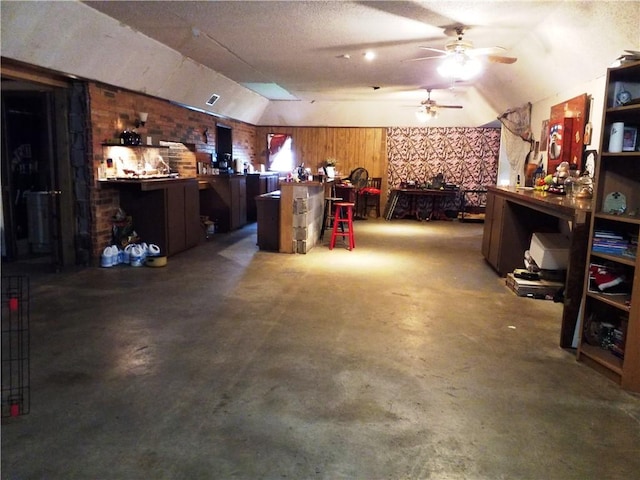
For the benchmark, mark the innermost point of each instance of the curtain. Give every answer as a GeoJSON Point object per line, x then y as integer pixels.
{"type": "Point", "coordinates": [516, 139]}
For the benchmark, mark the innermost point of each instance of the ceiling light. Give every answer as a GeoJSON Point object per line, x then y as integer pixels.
{"type": "Point", "coordinates": [369, 55]}
{"type": "Point", "coordinates": [460, 66]}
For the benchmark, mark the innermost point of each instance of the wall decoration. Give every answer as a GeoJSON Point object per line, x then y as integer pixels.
{"type": "Point", "coordinates": [280, 152]}
{"type": "Point", "coordinates": [544, 135]}
{"type": "Point", "coordinates": [467, 157]}
{"type": "Point", "coordinates": [587, 134]}
{"type": "Point", "coordinates": [566, 132]}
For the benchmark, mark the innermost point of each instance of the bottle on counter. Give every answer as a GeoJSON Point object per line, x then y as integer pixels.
{"type": "Point", "coordinates": [538, 174]}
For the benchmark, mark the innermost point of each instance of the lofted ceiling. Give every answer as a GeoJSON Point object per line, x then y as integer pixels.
{"type": "Point", "coordinates": [307, 57]}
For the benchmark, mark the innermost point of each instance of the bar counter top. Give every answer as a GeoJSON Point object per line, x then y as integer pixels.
{"type": "Point", "coordinates": [558, 205]}
{"type": "Point", "coordinates": [147, 183]}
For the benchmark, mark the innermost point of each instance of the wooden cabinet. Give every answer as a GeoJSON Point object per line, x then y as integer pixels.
{"type": "Point", "coordinates": [513, 216]}
{"type": "Point", "coordinates": [268, 211]}
{"type": "Point", "coordinates": [224, 201]}
{"type": "Point", "coordinates": [492, 237]}
{"type": "Point", "coordinates": [163, 212]}
{"type": "Point", "coordinates": [510, 220]}
{"type": "Point", "coordinates": [183, 222]}
{"type": "Point", "coordinates": [259, 184]}
{"type": "Point", "coordinates": [610, 320]}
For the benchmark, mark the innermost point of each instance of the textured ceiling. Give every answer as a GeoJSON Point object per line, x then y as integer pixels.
{"type": "Point", "coordinates": [298, 45]}
{"type": "Point", "coordinates": [185, 51]}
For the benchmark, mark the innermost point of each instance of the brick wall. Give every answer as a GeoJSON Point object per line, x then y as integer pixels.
{"type": "Point", "coordinates": [113, 110]}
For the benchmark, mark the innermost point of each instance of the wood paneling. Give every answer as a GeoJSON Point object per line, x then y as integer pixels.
{"type": "Point", "coordinates": [351, 147]}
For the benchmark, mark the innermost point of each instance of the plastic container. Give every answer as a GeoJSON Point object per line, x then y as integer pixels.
{"type": "Point", "coordinates": [106, 260]}
{"type": "Point", "coordinates": [136, 256]}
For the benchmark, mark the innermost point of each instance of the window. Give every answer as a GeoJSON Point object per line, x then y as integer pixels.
{"type": "Point", "coordinates": [280, 152]}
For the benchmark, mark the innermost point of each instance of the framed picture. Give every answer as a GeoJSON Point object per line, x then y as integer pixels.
{"type": "Point", "coordinates": [629, 139]}
{"type": "Point", "coordinates": [566, 131]}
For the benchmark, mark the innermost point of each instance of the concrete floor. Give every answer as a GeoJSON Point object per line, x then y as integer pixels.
{"type": "Point", "coordinates": [406, 358]}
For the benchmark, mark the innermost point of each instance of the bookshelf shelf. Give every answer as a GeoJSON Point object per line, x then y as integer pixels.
{"type": "Point", "coordinates": [612, 260]}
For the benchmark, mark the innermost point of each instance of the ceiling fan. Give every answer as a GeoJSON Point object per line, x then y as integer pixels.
{"type": "Point", "coordinates": [429, 108]}
{"type": "Point", "coordinates": [429, 104]}
{"type": "Point", "coordinates": [464, 48]}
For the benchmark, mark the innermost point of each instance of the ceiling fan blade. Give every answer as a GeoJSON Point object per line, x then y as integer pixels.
{"type": "Point", "coordinates": [448, 106]}
{"type": "Point", "coordinates": [501, 59]}
{"type": "Point", "coordinates": [423, 58]}
{"type": "Point", "coordinates": [475, 52]}
{"type": "Point", "coordinates": [438, 50]}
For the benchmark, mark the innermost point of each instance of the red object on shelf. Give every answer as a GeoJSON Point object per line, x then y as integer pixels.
{"type": "Point", "coordinates": [13, 304]}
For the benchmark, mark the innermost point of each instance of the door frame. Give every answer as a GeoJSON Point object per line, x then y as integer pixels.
{"type": "Point", "coordinates": [55, 90]}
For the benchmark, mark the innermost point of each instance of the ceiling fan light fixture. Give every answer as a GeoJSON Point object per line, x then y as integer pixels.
{"type": "Point", "coordinates": [424, 115]}
{"type": "Point", "coordinates": [369, 55]}
{"type": "Point", "coordinates": [460, 67]}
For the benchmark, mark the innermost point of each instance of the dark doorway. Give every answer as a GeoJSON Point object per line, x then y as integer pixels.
{"type": "Point", "coordinates": [27, 175]}
{"type": "Point", "coordinates": [224, 147]}
{"type": "Point", "coordinates": [31, 217]}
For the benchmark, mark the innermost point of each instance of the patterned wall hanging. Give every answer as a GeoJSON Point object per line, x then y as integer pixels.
{"type": "Point", "coordinates": [467, 157]}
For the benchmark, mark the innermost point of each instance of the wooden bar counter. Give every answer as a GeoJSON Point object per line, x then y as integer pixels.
{"type": "Point", "coordinates": [164, 210]}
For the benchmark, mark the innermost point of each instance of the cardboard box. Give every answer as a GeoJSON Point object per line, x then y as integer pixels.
{"type": "Point", "coordinates": [533, 288]}
{"type": "Point", "coordinates": [550, 251]}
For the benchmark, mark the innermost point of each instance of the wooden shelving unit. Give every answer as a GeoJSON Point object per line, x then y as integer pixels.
{"type": "Point", "coordinates": [615, 172]}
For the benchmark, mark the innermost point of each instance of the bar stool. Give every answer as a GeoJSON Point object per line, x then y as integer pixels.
{"type": "Point", "coordinates": [338, 222]}
{"type": "Point", "coordinates": [328, 217]}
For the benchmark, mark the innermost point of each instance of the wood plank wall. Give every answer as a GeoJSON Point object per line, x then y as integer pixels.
{"type": "Point", "coordinates": [352, 148]}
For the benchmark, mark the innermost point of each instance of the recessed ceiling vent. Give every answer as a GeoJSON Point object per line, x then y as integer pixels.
{"type": "Point", "coordinates": [213, 99]}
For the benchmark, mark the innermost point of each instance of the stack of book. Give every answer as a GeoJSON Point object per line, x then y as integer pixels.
{"type": "Point", "coordinates": [612, 243]}
{"type": "Point", "coordinates": [629, 56]}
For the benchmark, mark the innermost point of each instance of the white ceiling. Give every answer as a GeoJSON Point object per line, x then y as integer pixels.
{"type": "Point", "coordinates": [298, 47]}
{"type": "Point", "coordinates": [297, 44]}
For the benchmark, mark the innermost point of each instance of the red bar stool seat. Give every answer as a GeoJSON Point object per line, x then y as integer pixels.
{"type": "Point", "coordinates": [343, 217]}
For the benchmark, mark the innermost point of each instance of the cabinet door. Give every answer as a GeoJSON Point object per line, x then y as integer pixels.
{"type": "Point", "coordinates": [193, 229]}
{"type": "Point", "coordinates": [488, 223]}
{"type": "Point", "coordinates": [175, 220]}
{"type": "Point", "coordinates": [256, 185]}
{"type": "Point", "coordinates": [272, 183]}
{"type": "Point", "coordinates": [242, 202]}
{"type": "Point", "coordinates": [238, 202]}
{"type": "Point", "coordinates": [492, 239]}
